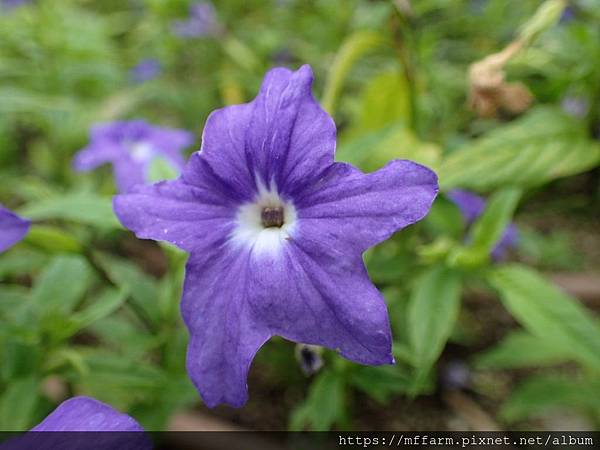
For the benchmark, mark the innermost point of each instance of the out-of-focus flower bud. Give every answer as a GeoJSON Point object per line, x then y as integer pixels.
{"type": "Point", "coordinates": [309, 358]}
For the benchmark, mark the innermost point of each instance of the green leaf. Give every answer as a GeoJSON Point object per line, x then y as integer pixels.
{"type": "Point", "coordinates": [106, 303]}
{"type": "Point", "coordinates": [541, 146]}
{"type": "Point", "coordinates": [546, 16]}
{"type": "Point", "coordinates": [324, 406]}
{"type": "Point", "coordinates": [372, 150]}
{"type": "Point", "coordinates": [161, 169]}
{"type": "Point", "coordinates": [21, 261]}
{"type": "Point", "coordinates": [125, 337]}
{"type": "Point", "coordinates": [432, 312]}
{"type": "Point", "coordinates": [546, 393]}
{"type": "Point", "coordinates": [142, 287]}
{"type": "Point", "coordinates": [355, 46]}
{"type": "Point", "coordinates": [521, 349]}
{"type": "Point", "coordinates": [380, 383]}
{"type": "Point", "coordinates": [86, 208]}
{"type": "Point", "coordinates": [384, 101]}
{"type": "Point", "coordinates": [548, 313]}
{"type": "Point", "coordinates": [61, 285]}
{"type": "Point", "coordinates": [444, 218]}
{"type": "Point", "coordinates": [52, 239]}
{"type": "Point", "coordinates": [118, 380]}
{"type": "Point", "coordinates": [488, 228]}
{"type": "Point", "coordinates": [18, 404]}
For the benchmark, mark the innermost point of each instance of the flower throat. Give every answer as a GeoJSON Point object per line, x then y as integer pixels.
{"type": "Point", "coordinates": [272, 217]}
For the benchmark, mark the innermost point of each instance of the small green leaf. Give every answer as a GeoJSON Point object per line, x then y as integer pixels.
{"type": "Point", "coordinates": [61, 285]}
{"type": "Point", "coordinates": [444, 218]}
{"type": "Point", "coordinates": [119, 380]}
{"type": "Point", "coordinates": [374, 149]}
{"type": "Point", "coordinates": [52, 239]}
{"type": "Point", "coordinates": [355, 46]}
{"type": "Point", "coordinates": [21, 261]}
{"type": "Point", "coordinates": [142, 287]}
{"type": "Point", "coordinates": [521, 349]}
{"type": "Point", "coordinates": [324, 406]}
{"type": "Point", "coordinates": [106, 303]}
{"type": "Point", "coordinates": [161, 169]}
{"type": "Point", "coordinates": [546, 393]}
{"type": "Point", "coordinates": [18, 404]}
{"type": "Point", "coordinates": [384, 101]}
{"type": "Point", "coordinates": [86, 208]}
{"type": "Point", "coordinates": [432, 312]}
{"type": "Point", "coordinates": [548, 313]}
{"type": "Point", "coordinates": [380, 383]}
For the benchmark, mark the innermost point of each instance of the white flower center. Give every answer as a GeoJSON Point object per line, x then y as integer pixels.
{"type": "Point", "coordinates": [141, 151]}
{"type": "Point", "coordinates": [266, 223]}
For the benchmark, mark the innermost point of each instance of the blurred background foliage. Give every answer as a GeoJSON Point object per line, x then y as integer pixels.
{"type": "Point", "coordinates": [85, 308]}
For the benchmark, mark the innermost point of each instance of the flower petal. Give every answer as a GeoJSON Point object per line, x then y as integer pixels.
{"type": "Point", "coordinates": [282, 136]}
{"type": "Point", "coordinates": [316, 295]}
{"type": "Point", "coordinates": [225, 335]}
{"type": "Point", "coordinates": [191, 217]}
{"type": "Point", "coordinates": [12, 228]}
{"type": "Point", "coordinates": [96, 154]}
{"type": "Point", "coordinates": [470, 205]}
{"type": "Point", "coordinates": [87, 414]}
{"type": "Point", "coordinates": [354, 211]}
{"type": "Point", "coordinates": [233, 301]}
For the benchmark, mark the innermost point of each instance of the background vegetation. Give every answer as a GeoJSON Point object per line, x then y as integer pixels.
{"type": "Point", "coordinates": [85, 308]}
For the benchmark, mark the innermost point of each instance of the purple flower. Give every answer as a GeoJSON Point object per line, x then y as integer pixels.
{"type": "Point", "coordinates": [145, 70]}
{"type": "Point", "coordinates": [567, 15]}
{"type": "Point", "coordinates": [575, 106]}
{"type": "Point", "coordinates": [276, 230]}
{"type": "Point", "coordinates": [131, 147]}
{"type": "Point", "coordinates": [11, 4]}
{"type": "Point", "coordinates": [202, 21]}
{"type": "Point", "coordinates": [83, 422]}
{"type": "Point", "coordinates": [12, 228]}
{"type": "Point", "coordinates": [86, 414]}
{"type": "Point", "coordinates": [309, 358]}
{"type": "Point", "coordinates": [471, 206]}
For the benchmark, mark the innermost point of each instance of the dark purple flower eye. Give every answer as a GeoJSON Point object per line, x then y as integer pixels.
{"type": "Point", "coordinates": [276, 231]}
{"type": "Point", "coordinates": [132, 147]}
{"type": "Point", "coordinates": [12, 228]}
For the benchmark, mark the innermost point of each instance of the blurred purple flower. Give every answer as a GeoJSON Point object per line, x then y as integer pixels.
{"type": "Point", "coordinates": [12, 228]}
{"type": "Point", "coordinates": [145, 70]}
{"type": "Point", "coordinates": [471, 207]}
{"type": "Point", "coordinates": [11, 4]}
{"type": "Point", "coordinates": [575, 106]}
{"type": "Point", "coordinates": [86, 414]}
{"type": "Point", "coordinates": [309, 358]}
{"type": "Point", "coordinates": [83, 422]}
{"type": "Point", "coordinates": [131, 147]}
{"type": "Point", "coordinates": [567, 15]}
{"type": "Point", "coordinates": [202, 21]}
{"type": "Point", "coordinates": [276, 231]}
